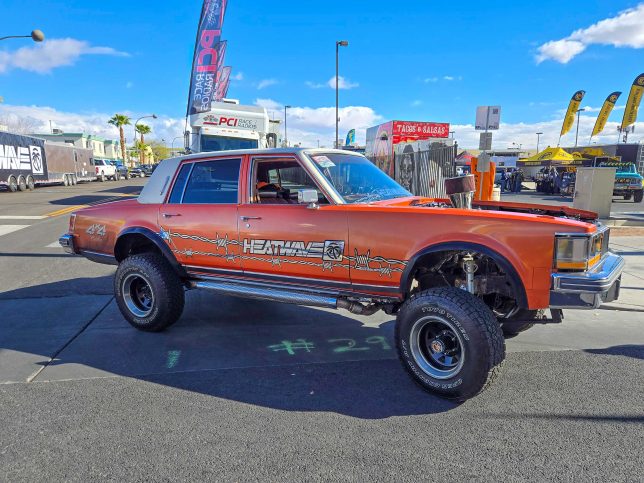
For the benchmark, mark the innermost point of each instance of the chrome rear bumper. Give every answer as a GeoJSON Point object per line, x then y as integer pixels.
{"type": "Point", "coordinates": [67, 242]}
{"type": "Point", "coordinates": [588, 290]}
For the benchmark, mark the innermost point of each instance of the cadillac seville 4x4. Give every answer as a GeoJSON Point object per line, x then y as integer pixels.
{"type": "Point", "coordinates": [327, 228]}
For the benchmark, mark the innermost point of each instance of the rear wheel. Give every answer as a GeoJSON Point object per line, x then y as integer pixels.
{"type": "Point", "coordinates": [31, 185]}
{"type": "Point", "coordinates": [65, 180]}
{"type": "Point", "coordinates": [148, 292]}
{"type": "Point", "coordinates": [449, 341]}
{"type": "Point", "coordinates": [12, 184]}
{"type": "Point", "coordinates": [22, 183]}
{"type": "Point", "coordinates": [638, 195]}
{"type": "Point", "coordinates": [101, 177]}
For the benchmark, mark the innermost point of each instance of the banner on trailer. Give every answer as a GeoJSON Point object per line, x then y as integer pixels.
{"type": "Point", "coordinates": [22, 155]}
{"type": "Point", "coordinates": [222, 83]}
{"type": "Point", "coordinates": [633, 102]}
{"type": "Point", "coordinates": [569, 120]}
{"type": "Point", "coordinates": [206, 58]}
{"type": "Point", "coordinates": [606, 109]}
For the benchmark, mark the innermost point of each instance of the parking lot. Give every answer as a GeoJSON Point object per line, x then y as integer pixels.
{"type": "Point", "coordinates": [252, 390]}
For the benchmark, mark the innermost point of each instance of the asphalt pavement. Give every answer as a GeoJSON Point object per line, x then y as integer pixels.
{"type": "Point", "coordinates": [258, 391]}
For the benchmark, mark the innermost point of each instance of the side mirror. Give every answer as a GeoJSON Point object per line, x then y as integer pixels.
{"type": "Point", "coordinates": [308, 197]}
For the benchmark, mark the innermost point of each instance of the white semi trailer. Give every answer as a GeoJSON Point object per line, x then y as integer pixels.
{"type": "Point", "coordinates": [230, 125]}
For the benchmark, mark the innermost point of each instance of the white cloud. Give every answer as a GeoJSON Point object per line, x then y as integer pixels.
{"type": "Point", "coordinates": [269, 104]}
{"type": "Point", "coordinates": [624, 30]}
{"type": "Point", "coordinates": [416, 103]}
{"type": "Point", "coordinates": [129, 85]}
{"type": "Point", "coordinates": [448, 78]}
{"type": "Point", "coordinates": [50, 54]}
{"type": "Point", "coordinates": [343, 83]}
{"type": "Point", "coordinates": [427, 80]}
{"type": "Point", "coordinates": [238, 76]}
{"type": "Point", "coordinates": [266, 83]}
{"type": "Point", "coordinates": [38, 117]}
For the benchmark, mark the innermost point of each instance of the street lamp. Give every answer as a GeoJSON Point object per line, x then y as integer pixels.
{"type": "Point", "coordinates": [577, 135]}
{"type": "Point", "coordinates": [36, 36]}
{"type": "Point", "coordinates": [178, 137]}
{"type": "Point", "coordinates": [153, 116]}
{"type": "Point", "coordinates": [338, 44]}
{"type": "Point", "coordinates": [538, 136]}
{"type": "Point", "coordinates": [285, 131]}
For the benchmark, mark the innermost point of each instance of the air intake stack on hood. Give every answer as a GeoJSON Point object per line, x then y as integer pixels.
{"type": "Point", "coordinates": [461, 191]}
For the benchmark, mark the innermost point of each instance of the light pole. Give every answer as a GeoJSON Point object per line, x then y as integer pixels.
{"type": "Point", "coordinates": [338, 44]}
{"type": "Point", "coordinates": [577, 135]}
{"type": "Point", "coordinates": [153, 116]}
{"type": "Point", "coordinates": [285, 131]}
{"type": "Point", "coordinates": [451, 134]}
{"type": "Point", "coordinates": [538, 136]}
{"type": "Point", "coordinates": [35, 35]}
{"type": "Point", "coordinates": [178, 137]}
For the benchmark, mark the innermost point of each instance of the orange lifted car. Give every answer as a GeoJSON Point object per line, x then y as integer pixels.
{"type": "Point", "coordinates": [327, 228]}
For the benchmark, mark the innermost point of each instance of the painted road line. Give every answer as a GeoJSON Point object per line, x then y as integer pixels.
{"type": "Point", "coordinates": [6, 229]}
{"type": "Point", "coordinates": [64, 211]}
{"type": "Point", "coordinates": [56, 244]}
{"type": "Point", "coordinates": [22, 217]}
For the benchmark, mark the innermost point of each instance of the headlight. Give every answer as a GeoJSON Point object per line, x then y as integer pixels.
{"type": "Point", "coordinates": [580, 251]}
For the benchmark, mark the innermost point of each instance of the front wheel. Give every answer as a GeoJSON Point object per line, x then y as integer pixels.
{"type": "Point", "coordinates": [117, 177]}
{"type": "Point", "coordinates": [148, 292]}
{"type": "Point", "coordinates": [638, 195]}
{"type": "Point", "coordinates": [450, 342]}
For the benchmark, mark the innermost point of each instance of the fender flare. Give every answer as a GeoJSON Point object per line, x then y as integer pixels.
{"type": "Point", "coordinates": [500, 260]}
{"type": "Point", "coordinates": [158, 242]}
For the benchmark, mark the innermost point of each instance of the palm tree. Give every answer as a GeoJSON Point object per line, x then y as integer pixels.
{"type": "Point", "coordinates": [143, 129]}
{"type": "Point", "coordinates": [120, 120]}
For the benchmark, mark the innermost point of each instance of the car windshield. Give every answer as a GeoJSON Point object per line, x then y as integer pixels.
{"type": "Point", "coordinates": [222, 143]}
{"type": "Point", "coordinates": [356, 178]}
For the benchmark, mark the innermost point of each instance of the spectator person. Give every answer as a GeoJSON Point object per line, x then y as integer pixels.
{"type": "Point", "coordinates": [518, 179]}
{"type": "Point", "coordinates": [504, 178]}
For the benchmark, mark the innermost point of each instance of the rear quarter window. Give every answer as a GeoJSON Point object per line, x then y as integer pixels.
{"type": "Point", "coordinates": [213, 182]}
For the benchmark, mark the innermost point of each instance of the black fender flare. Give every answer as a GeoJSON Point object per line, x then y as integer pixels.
{"type": "Point", "coordinates": [158, 242]}
{"type": "Point", "coordinates": [500, 260]}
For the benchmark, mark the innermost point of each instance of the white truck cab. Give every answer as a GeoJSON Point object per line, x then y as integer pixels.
{"type": "Point", "coordinates": [230, 125]}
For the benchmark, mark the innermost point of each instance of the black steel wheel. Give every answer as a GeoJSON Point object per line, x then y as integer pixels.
{"type": "Point", "coordinates": [449, 341]}
{"type": "Point", "coordinates": [148, 292]}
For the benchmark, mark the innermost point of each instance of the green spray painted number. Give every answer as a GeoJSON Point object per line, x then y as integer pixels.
{"type": "Point", "coordinates": [378, 339]}
{"type": "Point", "coordinates": [173, 359]}
{"type": "Point", "coordinates": [348, 345]}
{"type": "Point", "coordinates": [291, 346]}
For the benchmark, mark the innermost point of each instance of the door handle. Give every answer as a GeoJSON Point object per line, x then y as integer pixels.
{"type": "Point", "coordinates": [170, 215]}
{"type": "Point", "coordinates": [246, 218]}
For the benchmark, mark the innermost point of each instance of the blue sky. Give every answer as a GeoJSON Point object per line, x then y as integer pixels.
{"type": "Point", "coordinates": [428, 61]}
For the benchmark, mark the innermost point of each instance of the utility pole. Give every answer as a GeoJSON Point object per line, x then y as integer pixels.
{"type": "Point", "coordinates": [338, 44]}
{"type": "Point", "coordinates": [285, 131]}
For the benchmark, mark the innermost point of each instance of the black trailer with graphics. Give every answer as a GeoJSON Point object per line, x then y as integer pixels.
{"type": "Point", "coordinates": [26, 162]}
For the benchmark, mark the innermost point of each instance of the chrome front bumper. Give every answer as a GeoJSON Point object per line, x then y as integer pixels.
{"type": "Point", "coordinates": [588, 290]}
{"type": "Point", "coordinates": [67, 242]}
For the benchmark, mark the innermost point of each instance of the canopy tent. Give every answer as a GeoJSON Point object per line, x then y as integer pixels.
{"type": "Point", "coordinates": [548, 157]}
{"type": "Point", "coordinates": [464, 159]}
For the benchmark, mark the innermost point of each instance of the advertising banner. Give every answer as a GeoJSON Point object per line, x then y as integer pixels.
{"type": "Point", "coordinates": [606, 109]}
{"type": "Point", "coordinates": [569, 120]}
{"type": "Point", "coordinates": [633, 102]}
{"type": "Point", "coordinates": [421, 130]}
{"type": "Point", "coordinates": [22, 155]}
{"type": "Point", "coordinates": [206, 57]}
{"type": "Point", "coordinates": [222, 83]}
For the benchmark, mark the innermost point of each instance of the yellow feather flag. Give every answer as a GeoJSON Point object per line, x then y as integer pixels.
{"type": "Point", "coordinates": [606, 109]}
{"type": "Point", "coordinates": [569, 120]}
{"type": "Point", "coordinates": [633, 103]}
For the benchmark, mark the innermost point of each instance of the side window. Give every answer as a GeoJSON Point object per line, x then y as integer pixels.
{"type": "Point", "coordinates": [180, 184]}
{"type": "Point", "coordinates": [213, 182]}
{"type": "Point", "coordinates": [278, 182]}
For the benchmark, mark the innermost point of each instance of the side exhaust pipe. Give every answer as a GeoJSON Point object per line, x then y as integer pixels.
{"type": "Point", "coordinates": [261, 292]}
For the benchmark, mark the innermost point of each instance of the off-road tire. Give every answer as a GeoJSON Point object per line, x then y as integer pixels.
{"type": "Point", "coordinates": [638, 195]}
{"type": "Point", "coordinates": [22, 183]}
{"type": "Point", "coordinates": [12, 184]}
{"type": "Point", "coordinates": [482, 341]}
{"type": "Point", "coordinates": [512, 330]}
{"type": "Point", "coordinates": [166, 287]}
{"type": "Point", "coordinates": [31, 185]}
